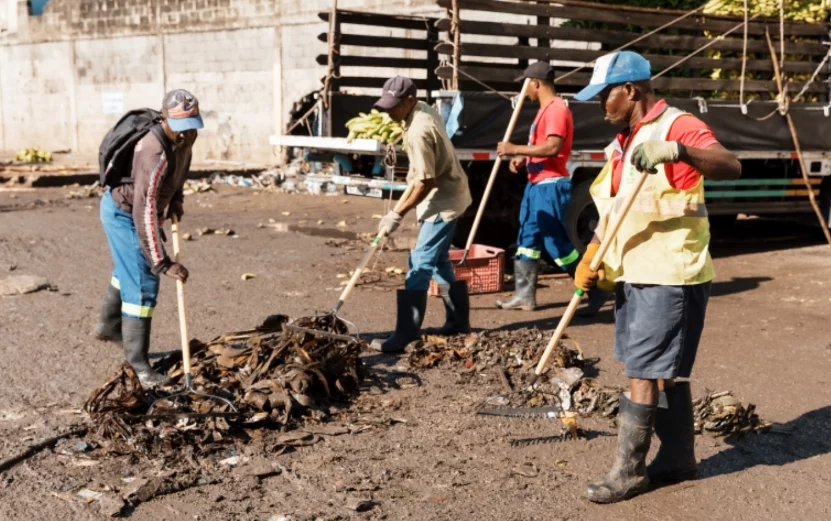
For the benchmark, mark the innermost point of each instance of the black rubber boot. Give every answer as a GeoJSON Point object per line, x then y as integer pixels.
{"type": "Point", "coordinates": [136, 333]}
{"type": "Point", "coordinates": [525, 290]}
{"type": "Point", "coordinates": [411, 306]}
{"type": "Point", "coordinates": [456, 310]}
{"type": "Point", "coordinates": [109, 325]}
{"type": "Point", "coordinates": [628, 476]}
{"type": "Point", "coordinates": [674, 427]}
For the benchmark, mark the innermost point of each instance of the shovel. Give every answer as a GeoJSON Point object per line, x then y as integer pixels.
{"type": "Point", "coordinates": [356, 276]}
{"type": "Point", "coordinates": [183, 328]}
{"type": "Point", "coordinates": [495, 170]}
{"type": "Point", "coordinates": [608, 236]}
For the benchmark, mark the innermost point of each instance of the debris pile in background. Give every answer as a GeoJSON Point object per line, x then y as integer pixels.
{"type": "Point", "coordinates": [724, 415]}
{"type": "Point", "coordinates": [278, 380]}
{"type": "Point", "coordinates": [86, 192]}
{"type": "Point", "coordinates": [33, 155]}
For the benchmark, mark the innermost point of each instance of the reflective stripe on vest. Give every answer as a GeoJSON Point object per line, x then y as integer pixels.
{"type": "Point", "coordinates": [665, 237]}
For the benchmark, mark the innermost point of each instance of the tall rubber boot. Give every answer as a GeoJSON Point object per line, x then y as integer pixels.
{"type": "Point", "coordinates": [136, 332]}
{"type": "Point", "coordinates": [456, 310]}
{"type": "Point", "coordinates": [674, 427]}
{"type": "Point", "coordinates": [109, 324]}
{"type": "Point", "coordinates": [411, 306]}
{"type": "Point", "coordinates": [525, 290]}
{"type": "Point", "coordinates": [628, 476]}
{"type": "Point", "coordinates": [596, 297]}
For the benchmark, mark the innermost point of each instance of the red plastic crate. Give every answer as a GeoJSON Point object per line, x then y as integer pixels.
{"type": "Point", "coordinates": [484, 269]}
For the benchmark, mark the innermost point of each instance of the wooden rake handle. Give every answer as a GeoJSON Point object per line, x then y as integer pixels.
{"type": "Point", "coordinates": [495, 170]}
{"type": "Point", "coordinates": [356, 276]}
{"type": "Point", "coordinates": [180, 297]}
{"type": "Point", "coordinates": [605, 243]}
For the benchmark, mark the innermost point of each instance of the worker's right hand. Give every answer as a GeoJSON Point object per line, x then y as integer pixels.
{"type": "Point", "coordinates": [516, 164]}
{"type": "Point", "coordinates": [584, 277]}
{"type": "Point", "coordinates": [389, 223]}
{"type": "Point", "coordinates": [177, 271]}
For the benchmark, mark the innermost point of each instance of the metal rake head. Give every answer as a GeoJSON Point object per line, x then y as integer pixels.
{"type": "Point", "coordinates": [189, 390]}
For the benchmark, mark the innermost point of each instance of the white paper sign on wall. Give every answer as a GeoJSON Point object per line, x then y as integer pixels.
{"type": "Point", "coordinates": [112, 103]}
{"type": "Point", "coordinates": [8, 16]}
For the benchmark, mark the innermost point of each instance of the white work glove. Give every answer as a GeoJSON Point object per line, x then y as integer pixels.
{"type": "Point", "coordinates": [649, 154]}
{"type": "Point", "coordinates": [389, 223]}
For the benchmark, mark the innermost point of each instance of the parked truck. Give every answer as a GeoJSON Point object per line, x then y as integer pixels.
{"type": "Point", "coordinates": [476, 117]}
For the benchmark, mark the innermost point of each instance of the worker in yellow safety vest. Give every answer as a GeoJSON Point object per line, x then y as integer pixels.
{"type": "Point", "coordinates": [660, 265]}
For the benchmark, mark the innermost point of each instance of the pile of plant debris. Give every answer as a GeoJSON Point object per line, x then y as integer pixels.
{"type": "Point", "coordinates": [278, 379]}
{"type": "Point", "coordinates": [722, 414]}
{"type": "Point", "coordinates": [513, 355]}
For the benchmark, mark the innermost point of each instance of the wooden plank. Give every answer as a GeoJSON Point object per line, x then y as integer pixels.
{"type": "Point", "coordinates": [380, 20]}
{"type": "Point", "coordinates": [609, 14]}
{"type": "Point", "coordinates": [387, 42]}
{"type": "Point", "coordinates": [580, 79]}
{"type": "Point", "coordinates": [375, 61]}
{"type": "Point", "coordinates": [618, 38]}
{"type": "Point", "coordinates": [376, 83]}
{"type": "Point", "coordinates": [792, 28]}
{"type": "Point", "coordinates": [658, 61]}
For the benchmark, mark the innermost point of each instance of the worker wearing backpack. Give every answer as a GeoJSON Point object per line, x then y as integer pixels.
{"type": "Point", "coordinates": [144, 160]}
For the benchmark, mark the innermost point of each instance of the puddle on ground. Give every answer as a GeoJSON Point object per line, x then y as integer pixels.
{"type": "Point", "coordinates": [329, 233]}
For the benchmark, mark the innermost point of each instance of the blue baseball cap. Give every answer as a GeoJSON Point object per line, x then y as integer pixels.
{"type": "Point", "coordinates": [612, 69]}
{"type": "Point", "coordinates": [181, 110]}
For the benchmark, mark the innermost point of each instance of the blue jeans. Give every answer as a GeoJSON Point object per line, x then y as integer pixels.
{"type": "Point", "coordinates": [542, 222]}
{"type": "Point", "coordinates": [430, 258]}
{"type": "Point", "coordinates": [139, 287]}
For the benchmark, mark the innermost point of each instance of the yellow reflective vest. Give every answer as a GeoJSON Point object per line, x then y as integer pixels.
{"type": "Point", "coordinates": [665, 237]}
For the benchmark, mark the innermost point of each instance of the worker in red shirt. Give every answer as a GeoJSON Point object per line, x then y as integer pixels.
{"type": "Point", "coordinates": [547, 194]}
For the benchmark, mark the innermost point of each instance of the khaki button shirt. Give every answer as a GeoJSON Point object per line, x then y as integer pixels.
{"type": "Point", "coordinates": [432, 156]}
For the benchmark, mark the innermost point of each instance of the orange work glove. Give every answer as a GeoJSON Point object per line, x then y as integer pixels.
{"type": "Point", "coordinates": [584, 277]}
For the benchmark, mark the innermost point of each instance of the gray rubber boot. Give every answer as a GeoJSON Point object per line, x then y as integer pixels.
{"type": "Point", "coordinates": [456, 310]}
{"type": "Point", "coordinates": [525, 290]}
{"type": "Point", "coordinates": [411, 306]}
{"type": "Point", "coordinates": [674, 427]}
{"type": "Point", "coordinates": [109, 324]}
{"type": "Point", "coordinates": [628, 476]}
{"type": "Point", "coordinates": [136, 332]}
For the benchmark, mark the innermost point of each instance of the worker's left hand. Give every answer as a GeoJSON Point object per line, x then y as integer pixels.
{"type": "Point", "coordinates": [176, 208]}
{"type": "Point", "coordinates": [505, 149]}
{"type": "Point", "coordinates": [389, 223]}
{"type": "Point", "coordinates": [650, 154]}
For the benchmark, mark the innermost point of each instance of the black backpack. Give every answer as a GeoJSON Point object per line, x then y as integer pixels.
{"type": "Point", "coordinates": [115, 155]}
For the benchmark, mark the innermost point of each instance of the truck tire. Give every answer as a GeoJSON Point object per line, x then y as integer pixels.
{"type": "Point", "coordinates": [825, 200]}
{"type": "Point", "coordinates": [582, 216]}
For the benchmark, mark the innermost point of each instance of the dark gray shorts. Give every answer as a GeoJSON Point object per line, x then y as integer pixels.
{"type": "Point", "coordinates": [657, 328]}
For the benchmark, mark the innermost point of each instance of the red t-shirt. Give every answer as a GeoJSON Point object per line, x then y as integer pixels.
{"type": "Point", "coordinates": [687, 130]}
{"type": "Point", "coordinates": [554, 119]}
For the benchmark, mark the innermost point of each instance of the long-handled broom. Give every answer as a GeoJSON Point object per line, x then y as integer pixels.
{"type": "Point", "coordinates": [353, 281]}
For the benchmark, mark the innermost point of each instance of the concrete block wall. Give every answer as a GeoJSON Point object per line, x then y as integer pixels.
{"type": "Point", "coordinates": [66, 76]}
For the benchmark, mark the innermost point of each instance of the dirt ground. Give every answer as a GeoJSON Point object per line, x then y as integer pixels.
{"type": "Point", "coordinates": [767, 338]}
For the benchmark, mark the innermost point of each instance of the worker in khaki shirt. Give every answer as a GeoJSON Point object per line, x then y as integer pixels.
{"type": "Point", "coordinates": [440, 195]}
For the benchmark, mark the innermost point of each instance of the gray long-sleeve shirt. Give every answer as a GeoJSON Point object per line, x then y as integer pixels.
{"type": "Point", "coordinates": [151, 193]}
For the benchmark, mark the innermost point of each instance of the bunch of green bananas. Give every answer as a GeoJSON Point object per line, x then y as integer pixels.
{"type": "Point", "coordinates": [375, 125]}
{"type": "Point", "coordinates": [33, 155]}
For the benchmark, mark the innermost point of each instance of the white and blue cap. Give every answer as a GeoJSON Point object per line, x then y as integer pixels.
{"type": "Point", "coordinates": [614, 69]}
